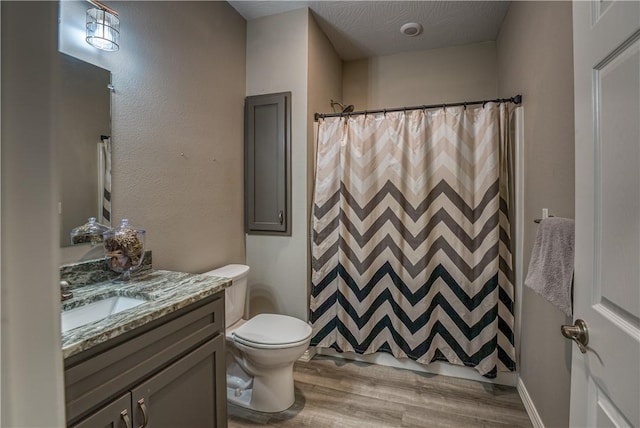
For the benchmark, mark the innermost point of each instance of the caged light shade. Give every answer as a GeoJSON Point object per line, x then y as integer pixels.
{"type": "Point", "coordinates": [103, 29]}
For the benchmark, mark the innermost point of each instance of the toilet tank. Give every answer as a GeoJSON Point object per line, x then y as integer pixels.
{"type": "Point", "coordinates": [235, 296]}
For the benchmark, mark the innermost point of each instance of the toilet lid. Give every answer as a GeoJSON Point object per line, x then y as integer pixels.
{"type": "Point", "coordinates": [272, 329]}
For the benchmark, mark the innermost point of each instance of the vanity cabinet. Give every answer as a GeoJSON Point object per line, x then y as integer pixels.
{"type": "Point", "coordinates": [180, 395]}
{"type": "Point", "coordinates": [114, 415]}
{"type": "Point", "coordinates": [170, 373]}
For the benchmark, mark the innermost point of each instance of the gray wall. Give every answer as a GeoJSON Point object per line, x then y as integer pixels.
{"type": "Point", "coordinates": [31, 392]}
{"type": "Point", "coordinates": [177, 129]}
{"type": "Point", "coordinates": [535, 59]}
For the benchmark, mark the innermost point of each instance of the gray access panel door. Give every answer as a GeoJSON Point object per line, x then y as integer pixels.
{"type": "Point", "coordinates": [268, 164]}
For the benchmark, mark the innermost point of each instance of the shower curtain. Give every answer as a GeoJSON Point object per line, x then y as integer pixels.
{"type": "Point", "coordinates": [411, 251]}
{"type": "Point", "coordinates": [106, 188]}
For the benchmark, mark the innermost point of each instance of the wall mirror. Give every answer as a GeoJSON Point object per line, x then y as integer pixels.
{"type": "Point", "coordinates": [82, 125]}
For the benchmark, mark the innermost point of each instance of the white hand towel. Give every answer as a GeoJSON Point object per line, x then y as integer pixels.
{"type": "Point", "coordinates": [551, 266]}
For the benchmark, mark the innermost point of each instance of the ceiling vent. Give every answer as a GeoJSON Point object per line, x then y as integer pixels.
{"type": "Point", "coordinates": [411, 29]}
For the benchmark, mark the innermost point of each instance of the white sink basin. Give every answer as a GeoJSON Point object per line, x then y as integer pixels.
{"type": "Point", "coordinates": [95, 311]}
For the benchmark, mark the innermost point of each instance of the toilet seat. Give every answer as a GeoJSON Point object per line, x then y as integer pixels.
{"type": "Point", "coordinates": [272, 331]}
{"type": "Point", "coordinates": [249, 344]}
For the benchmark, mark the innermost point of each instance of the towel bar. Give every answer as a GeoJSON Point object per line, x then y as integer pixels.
{"type": "Point", "coordinates": [538, 220]}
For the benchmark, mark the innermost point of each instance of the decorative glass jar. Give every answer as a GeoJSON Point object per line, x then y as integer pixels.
{"type": "Point", "coordinates": [90, 232]}
{"type": "Point", "coordinates": [124, 249]}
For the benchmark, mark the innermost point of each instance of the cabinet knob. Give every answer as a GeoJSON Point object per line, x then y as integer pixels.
{"type": "Point", "coordinates": [281, 216]}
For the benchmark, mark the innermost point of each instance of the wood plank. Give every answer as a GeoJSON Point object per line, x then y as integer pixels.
{"type": "Point", "coordinates": [340, 393]}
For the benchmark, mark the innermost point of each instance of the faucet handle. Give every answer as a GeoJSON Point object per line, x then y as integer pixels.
{"type": "Point", "coordinates": [64, 294]}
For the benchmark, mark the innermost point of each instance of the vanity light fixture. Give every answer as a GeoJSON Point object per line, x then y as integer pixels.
{"type": "Point", "coordinates": [103, 27]}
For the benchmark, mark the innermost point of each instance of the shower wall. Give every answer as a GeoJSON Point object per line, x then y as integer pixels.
{"type": "Point", "coordinates": [459, 73]}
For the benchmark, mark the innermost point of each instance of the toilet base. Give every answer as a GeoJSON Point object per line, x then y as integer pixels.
{"type": "Point", "coordinates": [269, 394]}
{"type": "Point", "coordinates": [239, 397]}
{"type": "Point", "coordinates": [260, 378]}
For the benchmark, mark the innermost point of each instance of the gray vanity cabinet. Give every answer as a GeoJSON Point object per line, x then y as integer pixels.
{"type": "Point", "coordinates": [182, 394]}
{"type": "Point", "coordinates": [116, 414]}
{"type": "Point", "coordinates": [170, 373]}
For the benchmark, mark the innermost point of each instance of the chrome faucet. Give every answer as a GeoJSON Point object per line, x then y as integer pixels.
{"type": "Point", "coordinates": [64, 293]}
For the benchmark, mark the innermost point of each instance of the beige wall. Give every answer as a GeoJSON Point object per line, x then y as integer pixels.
{"type": "Point", "coordinates": [32, 382]}
{"type": "Point", "coordinates": [535, 59]}
{"type": "Point", "coordinates": [325, 84]}
{"type": "Point", "coordinates": [277, 50]}
{"type": "Point", "coordinates": [460, 73]}
{"type": "Point", "coordinates": [289, 52]}
{"type": "Point", "coordinates": [178, 153]}
{"type": "Point", "coordinates": [180, 86]}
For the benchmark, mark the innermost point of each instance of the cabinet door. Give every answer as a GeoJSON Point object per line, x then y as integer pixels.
{"type": "Point", "coordinates": [268, 164]}
{"type": "Point", "coordinates": [189, 393]}
{"type": "Point", "coordinates": [117, 414]}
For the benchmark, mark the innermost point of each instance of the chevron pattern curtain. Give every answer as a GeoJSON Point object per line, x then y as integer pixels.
{"type": "Point", "coordinates": [106, 190]}
{"type": "Point", "coordinates": [411, 251]}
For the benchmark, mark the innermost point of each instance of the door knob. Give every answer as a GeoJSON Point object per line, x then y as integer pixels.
{"type": "Point", "coordinates": [577, 332]}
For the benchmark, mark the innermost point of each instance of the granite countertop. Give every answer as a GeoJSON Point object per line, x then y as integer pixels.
{"type": "Point", "coordinates": [165, 292]}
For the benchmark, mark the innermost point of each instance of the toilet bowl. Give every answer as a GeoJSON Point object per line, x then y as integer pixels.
{"type": "Point", "coordinates": [261, 351]}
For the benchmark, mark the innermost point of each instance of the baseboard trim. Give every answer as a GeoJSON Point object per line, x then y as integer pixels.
{"type": "Point", "coordinates": [528, 405]}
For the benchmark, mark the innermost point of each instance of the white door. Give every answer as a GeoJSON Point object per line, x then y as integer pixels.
{"type": "Point", "coordinates": [605, 381]}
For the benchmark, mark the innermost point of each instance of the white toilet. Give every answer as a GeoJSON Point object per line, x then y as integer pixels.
{"type": "Point", "coordinates": [260, 351]}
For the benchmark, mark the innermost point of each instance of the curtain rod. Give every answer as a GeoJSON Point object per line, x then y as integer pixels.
{"type": "Point", "coordinates": [516, 100]}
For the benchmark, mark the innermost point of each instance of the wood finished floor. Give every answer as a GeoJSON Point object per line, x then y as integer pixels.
{"type": "Point", "coordinates": [340, 393]}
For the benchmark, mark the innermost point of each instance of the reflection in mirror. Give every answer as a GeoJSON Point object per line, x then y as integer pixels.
{"type": "Point", "coordinates": [82, 119]}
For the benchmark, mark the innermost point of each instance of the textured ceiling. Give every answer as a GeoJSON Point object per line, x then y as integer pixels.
{"type": "Point", "coordinates": [361, 29]}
